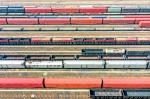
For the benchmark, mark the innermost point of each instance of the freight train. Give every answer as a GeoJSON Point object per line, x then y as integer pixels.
{"type": "Point", "coordinates": [119, 93]}
{"type": "Point", "coordinates": [67, 21]}
{"type": "Point", "coordinates": [118, 88]}
{"type": "Point", "coordinates": [115, 83]}
{"type": "Point", "coordinates": [90, 59]}
{"type": "Point", "coordinates": [76, 64]}
{"type": "Point", "coordinates": [34, 9]}
{"type": "Point", "coordinates": [76, 41]}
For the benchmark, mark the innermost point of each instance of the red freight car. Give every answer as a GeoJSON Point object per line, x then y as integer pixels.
{"type": "Point", "coordinates": [93, 10]}
{"type": "Point", "coordinates": [38, 10]}
{"type": "Point", "coordinates": [4, 40]}
{"type": "Point", "coordinates": [65, 10]}
{"type": "Point", "coordinates": [3, 21]}
{"type": "Point", "coordinates": [78, 41]}
{"type": "Point", "coordinates": [54, 21]}
{"type": "Point", "coordinates": [110, 41]}
{"type": "Point", "coordinates": [100, 40]}
{"type": "Point", "coordinates": [86, 21]}
{"type": "Point", "coordinates": [143, 40]}
{"type": "Point", "coordinates": [144, 24]}
{"type": "Point", "coordinates": [119, 21]}
{"type": "Point", "coordinates": [36, 40]}
{"type": "Point", "coordinates": [25, 41]}
{"type": "Point", "coordinates": [137, 16]}
{"type": "Point", "coordinates": [22, 21]}
{"type": "Point", "coordinates": [121, 41]}
{"type": "Point", "coordinates": [14, 41]}
{"type": "Point", "coordinates": [21, 82]}
{"type": "Point", "coordinates": [126, 83]}
{"type": "Point", "coordinates": [138, 20]}
{"type": "Point", "coordinates": [73, 82]}
{"type": "Point", "coordinates": [132, 40]}
{"type": "Point", "coordinates": [46, 40]}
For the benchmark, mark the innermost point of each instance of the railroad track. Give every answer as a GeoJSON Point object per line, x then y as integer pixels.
{"type": "Point", "coordinates": [44, 93]}
{"type": "Point", "coordinates": [68, 73]}
{"type": "Point", "coordinates": [75, 34]}
{"type": "Point", "coordinates": [61, 50]}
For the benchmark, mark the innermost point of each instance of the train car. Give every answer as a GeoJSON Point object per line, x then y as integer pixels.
{"type": "Point", "coordinates": [21, 82]}
{"type": "Point", "coordinates": [74, 41]}
{"type": "Point", "coordinates": [143, 41]}
{"type": "Point", "coordinates": [118, 21]}
{"type": "Point", "coordinates": [110, 41]}
{"type": "Point", "coordinates": [129, 9]}
{"type": "Point", "coordinates": [121, 41]}
{"type": "Point", "coordinates": [136, 93]}
{"type": "Point", "coordinates": [36, 41]}
{"type": "Point", "coordinates": [144, 24]}
{"type": "Point", "coordinates": [22, 21]}
{"type": "Point", "coordinates": [119, 93]}
{"type": "Point", "coordinates": [14, 41]}
{"type": "Point", "coordinates": [84, 64]}
{"type": "Point", "coordinates": [89, 41]}
{"type": "Point", "coordinates": [88, 57]}
{"type": "Point", "coordinates": [115, 51]}
{"type": "Point", "coordinates": [3, 21]}
{"type": "Point", "coordinates": [16, 10]}
{"type": "Point", "coordinates": [25, 41]}
{"type": "Point", "coordinates": [38, 57]}
{"type": "Point", "coordinates": [92, 51]}
{"type": "Point", "coordinates": [126, 64]}
{"type": "Point", "coordinates": [78, 41]}
{"type": "Point", "coordinates": [67, 40]}
{"type": "Point", "coordinates": [144, 8]}
{"type": "Point", "coordinates": [138, 20]}
{"type": "Point", "coordinates": [133, 52]}
{"type": "Point", "coordinates": [12, 64]}
{"type": "Point", "coordinates": [44, 64]}
{"type": "Point", "coordinates": [14, 57]}
{"type": "Point", "coordinates": [114, 9]}
{"type": "Point", "coordinates": [106, 93]}
{"type": "Point", "coordinates": [46, 41]}
{"type": "Point", "coordinates": [61, 41]}
{"type": "Point", "coordinates": [3, 10]}
{"type": "Point", "coordinates": [4, 41]}
{"type": "Point", "coordinates": [73, 83]}
{"type": "Point", "coordinates": [100, 41]}
{"type": "Point", "coordinates": [132, 41]}
{"type": "Point", "coordinates": [126, 83]}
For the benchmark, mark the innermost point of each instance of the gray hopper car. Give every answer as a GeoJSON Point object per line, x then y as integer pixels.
{"type": "Point", "coordinates": [77, 64]}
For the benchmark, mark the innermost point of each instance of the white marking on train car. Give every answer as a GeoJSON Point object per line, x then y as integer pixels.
{"type": "Point", "coordinates": [46, 90]}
